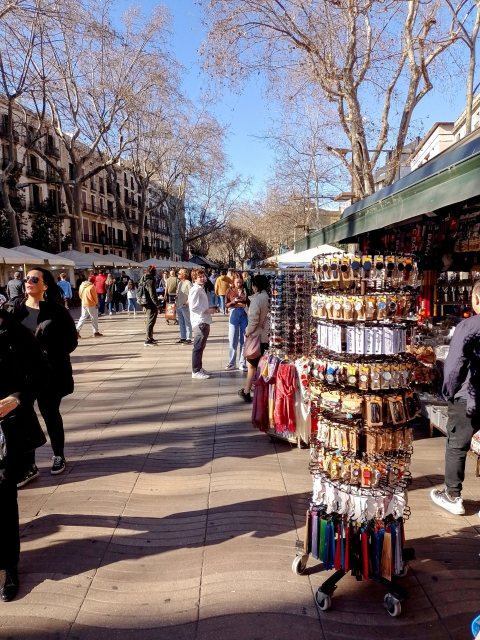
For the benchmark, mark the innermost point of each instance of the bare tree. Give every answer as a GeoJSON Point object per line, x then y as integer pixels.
{"type": "Point", "coordinates": [98, 73]}
{"type": "Point", "coordinates": [371, 59]}
{"type": "Point", "coordinates": [21, 41]}
{"type": "Point", "coordinates": [467, 15]}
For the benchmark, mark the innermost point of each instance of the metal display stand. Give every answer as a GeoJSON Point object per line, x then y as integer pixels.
{"type": "Point", "coordinates": [361, 380]}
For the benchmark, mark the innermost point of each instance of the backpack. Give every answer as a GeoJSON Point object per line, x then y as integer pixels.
{"type": "Point", "coordinates": [142, 293]}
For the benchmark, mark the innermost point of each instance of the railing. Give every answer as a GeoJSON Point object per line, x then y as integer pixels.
{"type": "Point", "coordinates": [88, 237]}
{"type": "Point", "coordinates": [33, 172]}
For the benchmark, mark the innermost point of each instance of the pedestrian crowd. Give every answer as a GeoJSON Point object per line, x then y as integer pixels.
{"type": "Point", "coordinates": [38, 334]}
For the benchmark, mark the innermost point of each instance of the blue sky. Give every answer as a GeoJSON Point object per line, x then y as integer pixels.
{"type": "Point", "coordinates": [247, 113]}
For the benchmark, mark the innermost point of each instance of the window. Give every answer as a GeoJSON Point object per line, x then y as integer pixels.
{"type": "Point", "coordinates": [36, 195]}
{"type": "Point", "coordinates": [70, 171]}
{"type": "Point", "coordinates": [132, 186]}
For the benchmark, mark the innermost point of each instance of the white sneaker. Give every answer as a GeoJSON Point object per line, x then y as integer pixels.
{"type": "Point", "coordinates": [442, 499]}
{"type": "Point", "coordinates": [230, 367]}
{"type": "Point", "coordinates": [200, 375]}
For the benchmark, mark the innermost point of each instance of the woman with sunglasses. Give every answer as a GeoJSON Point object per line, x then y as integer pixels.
{"type": "Point", "coordinates": [22, 366]}
{"type": "Point", "coordinates": [43, 313]}
{"type": "Point", "coordinates": [258, 324]}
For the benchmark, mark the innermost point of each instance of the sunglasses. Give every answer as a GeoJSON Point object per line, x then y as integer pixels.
{"type": "Point", "coordinates": [32, 279]}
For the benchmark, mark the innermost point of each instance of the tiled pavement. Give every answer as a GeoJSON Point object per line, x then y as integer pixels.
{"type": "Point", "coordinates": [175, 519]}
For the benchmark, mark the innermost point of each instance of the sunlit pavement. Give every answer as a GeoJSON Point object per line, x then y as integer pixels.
{"type": "Point", "coordinates": [176, 519]}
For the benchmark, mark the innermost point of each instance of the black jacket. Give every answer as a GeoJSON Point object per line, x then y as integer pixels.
{"type": "Point", "coordinates": [23, 368]}
{"type": "Point", "coordinates": [461, 375]}
{"type": "Point", "coordinates": [58, 337]}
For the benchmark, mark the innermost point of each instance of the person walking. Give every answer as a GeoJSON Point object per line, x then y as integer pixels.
{"type": "Point", "coordinates": [258, 325]}
{"type": "Point", "coordinates": [461, 387]}
{"type": "Point", "coordinates": [131, 297]}
{"type": "Point", "coordinates": [89, 301]}
{"type": "Point", "coordinates": [100, 281]}
{"type": "Point", "coordinates": [22, 370]}
{"type": "Point", "coordinates": [66, 289]}
{"type": "Point", "coordinates": [171, 285]}
{"type": "Point", "coordinates": [236, 303]}
{"type": "Point", "coordinates": [222, 284]}
{"type": "Point", "coordinates": [43, 313]}
{"type": "Point", "coordinates": [183, 312]}
{"type": "Point", "coordinates": [201, 318]}
{"type": "Point", "coordinates": [110, 294]}
{"type": "Point", "coordinates": [15, 286]}
{"type": "Point", "coordinates": [148, 285]}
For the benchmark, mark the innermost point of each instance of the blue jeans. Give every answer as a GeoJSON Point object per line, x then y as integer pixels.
{"type": "Point", "coordinates": [131, 304]}
{"type": "Point", "coordinates": [183, 315]}
{"type": "Point", "coordinates": [101, 303]}
{"type": "Point", "coordinates": [221, 302]}
{"type": "Point", "coordinates": [237, 324]}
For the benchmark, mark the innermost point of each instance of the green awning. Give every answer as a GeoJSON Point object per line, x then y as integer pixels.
{"type": "Point", "coordinates": [450, 178]}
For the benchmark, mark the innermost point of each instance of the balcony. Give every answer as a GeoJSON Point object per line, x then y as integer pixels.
{"type": "Point", "coordinates": [17, 166]}
{"type": "Point", "coordinates": [33, 172]}
{"type": "Point", "coordinates": [90, 208]}
{"type": "Point", "coordinates": [88, 237]}
{"type": "Point", "coordinates": [52, 151]}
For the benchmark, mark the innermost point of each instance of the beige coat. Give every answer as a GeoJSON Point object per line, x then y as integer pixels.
{"type": "Point", "coordinates": [258, 316]}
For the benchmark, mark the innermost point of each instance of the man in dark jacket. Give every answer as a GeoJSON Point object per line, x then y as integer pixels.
{"type": "Point", "coordinates": [15, 286]}
{"type": "Point", "coordinates": [151, 306]}
{"type": "Point", "coordinates": [461, 387]}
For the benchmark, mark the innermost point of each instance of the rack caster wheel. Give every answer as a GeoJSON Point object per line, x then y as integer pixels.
{"type": "Point", "coordinates": [392, 605]}
{"type": "Point", "coordinates": [403, 573]}
{"type": "Point", "coordinates": [323, 601]}
{"type": "Point", "coordinates": [299, 564]}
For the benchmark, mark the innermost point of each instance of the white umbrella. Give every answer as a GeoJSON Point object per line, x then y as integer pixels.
{"type": "Point", "coordinates": [51, 258]}
{"type": "Point", "coordinates": [87, 260]}
{"type": "Point", "coordinates": [14, 257]}
{"type": "Point", "coordinates": [304, 258]}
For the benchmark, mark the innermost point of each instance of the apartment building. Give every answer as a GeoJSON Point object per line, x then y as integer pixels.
{"type": "Point", "coordinates": [104, 230]}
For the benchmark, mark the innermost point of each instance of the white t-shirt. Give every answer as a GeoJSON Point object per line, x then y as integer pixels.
{"type": "Point", "coordinates": [198, 303]}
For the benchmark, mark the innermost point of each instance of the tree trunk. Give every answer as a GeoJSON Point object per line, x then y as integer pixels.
{"type": "Point", "coordinates": [76, 219]}
{"type": "Point", "coordinates": [11, 214]}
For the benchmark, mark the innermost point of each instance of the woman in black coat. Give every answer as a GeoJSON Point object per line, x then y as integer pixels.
{"type": "Point", "coordinates": [42, 312]}
{"type": "Point", "coordinates": [22, 369]}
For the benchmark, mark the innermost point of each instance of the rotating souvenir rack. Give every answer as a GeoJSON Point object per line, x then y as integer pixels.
{"type": "Point", "coordinates": [360, 381]}
{"type": "Point", "coordinates": [290, 313]}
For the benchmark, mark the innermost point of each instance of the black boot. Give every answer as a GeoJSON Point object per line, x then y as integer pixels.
{"type": "Point", "coordinates": [10, 586]}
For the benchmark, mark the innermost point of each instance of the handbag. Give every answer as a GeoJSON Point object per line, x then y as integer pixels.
{"type": "Point", "coordinates": [22, 431]}
{"type": "Point", "coordinates": [251, 347]}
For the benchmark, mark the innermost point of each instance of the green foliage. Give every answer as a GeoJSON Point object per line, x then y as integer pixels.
{"type": "Point", "coordinates": [5, 235]}
{"type": "Point", "coordinates": [45, 228]}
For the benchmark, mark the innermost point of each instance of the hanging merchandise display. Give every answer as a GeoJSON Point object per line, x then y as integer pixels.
{"type": "Point", "coordinates": [360, 377]}
{"type": "Point", "coordinates": [281, 406]}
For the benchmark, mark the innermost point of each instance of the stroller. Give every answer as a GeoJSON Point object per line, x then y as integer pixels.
{"type": "Point", "coordinates": [171, 309]}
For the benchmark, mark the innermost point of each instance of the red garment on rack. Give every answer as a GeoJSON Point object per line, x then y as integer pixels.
{"type": "Point", "coordinates": [260, 398]}
{"type": "Point", "coordinates": [284, 412]}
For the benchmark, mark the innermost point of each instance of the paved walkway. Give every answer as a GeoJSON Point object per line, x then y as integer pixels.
{"type": "Point", "coordinates": [175, 519]}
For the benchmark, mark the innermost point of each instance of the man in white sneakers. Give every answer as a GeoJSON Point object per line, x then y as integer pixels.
{"type": "Point", "coordinates": [461, 387]}
{"type": "Point", "coordinates": [201, 319]}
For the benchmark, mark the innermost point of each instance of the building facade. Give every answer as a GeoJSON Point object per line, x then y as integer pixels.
{"type": "Point", "coordinates": [35, 187]}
